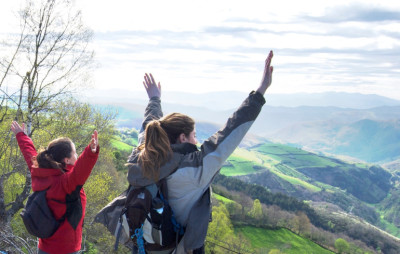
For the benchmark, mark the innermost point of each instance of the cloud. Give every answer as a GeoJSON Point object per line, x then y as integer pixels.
{"type": "Point", "coordinates": [357, 12]}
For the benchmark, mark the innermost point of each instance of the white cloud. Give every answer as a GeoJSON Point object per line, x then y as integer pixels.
{"type": "Point", "coordinates": [221, 45]}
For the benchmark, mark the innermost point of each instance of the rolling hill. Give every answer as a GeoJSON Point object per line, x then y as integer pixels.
{"type": "Point", "coordinates": [362, 127]}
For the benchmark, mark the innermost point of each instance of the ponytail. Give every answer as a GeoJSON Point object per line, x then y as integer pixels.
{"type": "Point", "coordinates": [55, 153]}
{"type": "Point", "coordinates": [154, 151]}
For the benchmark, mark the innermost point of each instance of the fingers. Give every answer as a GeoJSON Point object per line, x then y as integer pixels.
{"type": "Point", "coordinates": [267, 76]}
{"type": "Point", "coordinates": [269, 59]}
{"type": "Point", "coordinates": [16, 128]}
{"type": "Point", "coordinates": [94, 142]}
{"type": "Point", "coordinates": [149, 79]}
{"type": "Point", "coordinates": [152, 88]}
{"type": "Point", "coordinates": [152, 79]}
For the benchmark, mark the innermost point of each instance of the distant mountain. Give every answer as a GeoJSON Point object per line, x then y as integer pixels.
{"type": "Point", "coordinates": [326, 128]}
{"type": "Point", "coordinates": [366, 139]}
{"type": "Point", "coordinates": [393, 166]}
{"type": "Point", "coordinates": [220, 101]}
{"type": "Point", "coordinates": [331, 99]}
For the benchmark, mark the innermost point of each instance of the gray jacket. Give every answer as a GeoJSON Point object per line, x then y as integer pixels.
{"type": "Point", "coordinates": [189, 172]}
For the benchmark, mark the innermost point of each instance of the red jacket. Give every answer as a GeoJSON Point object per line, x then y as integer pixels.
{"type": "Point", "coordinates": [62, 196]}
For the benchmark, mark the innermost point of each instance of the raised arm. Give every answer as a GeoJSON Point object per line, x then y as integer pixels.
{"type": "Point", "coordinates": [153, 110]}
{"type": "Point", "coordinates": [83, 165]}
{"type": "Point", "coordinates": [24, 142]}
{"type": "Point", "coordinates": [216, 149]}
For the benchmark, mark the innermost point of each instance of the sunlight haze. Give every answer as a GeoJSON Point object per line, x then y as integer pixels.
{"type": "Point", "coordinates": [319, 46]}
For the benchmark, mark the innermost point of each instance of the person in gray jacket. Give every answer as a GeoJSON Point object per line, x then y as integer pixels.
{"type": "Point", "coordinates": [167, 149]}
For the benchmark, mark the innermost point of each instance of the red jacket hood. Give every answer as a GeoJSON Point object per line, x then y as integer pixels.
{"type": "Point", "coordinates": [41, 177]}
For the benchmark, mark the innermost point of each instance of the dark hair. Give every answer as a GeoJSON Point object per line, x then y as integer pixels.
{"type": "Point", "coordinates": [55, 153]}
{"type": "Point", "coordinates": [155, 151]}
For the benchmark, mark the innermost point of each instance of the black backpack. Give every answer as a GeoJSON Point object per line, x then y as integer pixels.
{"type": "Point", "coordinates": [152, 224]}
{"type": "Point", "coordinates": [37, 217]}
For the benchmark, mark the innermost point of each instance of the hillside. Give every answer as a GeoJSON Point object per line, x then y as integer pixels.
{"type": "Point", "coordinates": [283, 175]}
{"type": "Point", "coordinates": [309, 171]}
{"type": "Point", "coordinates": [366, 139]}
{"type": "Point", "coordinates": [362, 127]}
{"type": "Point", "coordinates": [352, 187]}
{"type": "Point", "coordinates": [281, 239]}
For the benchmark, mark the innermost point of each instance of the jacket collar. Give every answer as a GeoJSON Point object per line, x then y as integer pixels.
{"type": "Point", "coordinates": [184, 148]}
{"type": "Point", "coordinates": [46, 172]}
{"type": "Point", "coordinates": [136, 178]}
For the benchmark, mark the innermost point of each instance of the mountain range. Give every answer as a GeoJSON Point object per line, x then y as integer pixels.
{"type": "Point", "coordinates": [354, 126]}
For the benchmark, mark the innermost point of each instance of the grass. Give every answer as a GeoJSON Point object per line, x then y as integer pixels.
{"type": "Point", "coordinates": [223, 199]}
{"type": "Point", "coordinates": [297, 181]}
{"type": "Point", "coordinates": [242, 162]}
{"type": "Point", "coordinates": [292, 156]}
{"type": "Point", "coordinates": [246, 155]}
{"type": "Point", "coordinates": [282, 239]}
{"type": "Point", "coordinates": [119, 145]}
{"type": "Point", "coordinates": [238, 168]}
{"type": "Point", "coordinates": [389, 227]}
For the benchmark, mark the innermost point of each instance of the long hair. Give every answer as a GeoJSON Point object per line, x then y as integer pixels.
{"type": "Point", "coordinates": [55, 153]}
{"type": "Point", "coordinates": [155, 151]}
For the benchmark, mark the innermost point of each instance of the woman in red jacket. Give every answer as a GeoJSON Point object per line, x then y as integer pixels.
{"type": "Point", "coordinates": [58, 169]}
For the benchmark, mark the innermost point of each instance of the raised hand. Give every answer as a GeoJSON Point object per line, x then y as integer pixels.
{"type": "Point", "coordinates": [94, 142]}
{"type": "Point", "coordinates": [16, 128]}
{"type": "Point", "coordinates": [152, 89]}
{"type": "Point", "coordinates": [267, 76]}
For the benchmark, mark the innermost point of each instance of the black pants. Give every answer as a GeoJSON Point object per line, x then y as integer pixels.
{"type": "Point", "coordinates": [199, 250]}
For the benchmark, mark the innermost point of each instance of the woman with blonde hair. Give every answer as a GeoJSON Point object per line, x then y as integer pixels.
{"type": "Point", "coordinates": [168, 149]}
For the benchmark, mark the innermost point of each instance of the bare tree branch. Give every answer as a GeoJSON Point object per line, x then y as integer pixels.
{"type": "Point", "coordinates": [50, 55]}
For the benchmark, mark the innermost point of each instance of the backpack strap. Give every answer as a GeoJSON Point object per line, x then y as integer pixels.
{"type": "Point", "coordinates": [163, 191]}
{"type": "Point", "coordinates": [58, 201]}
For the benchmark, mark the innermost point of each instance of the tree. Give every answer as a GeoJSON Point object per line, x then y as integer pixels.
{"type": "Point", "coordinates": [219, 229]}
{"type": "Point", "coordinates": [256, 210]}
{"type": "Point", "coordinates": [45, 61]}
{"type": "Point", "coordinates": [304, 224]}
{"type": "Point", "coordinates": [49, 57]}
{"type": "Point", "coordinates": [341, 245]}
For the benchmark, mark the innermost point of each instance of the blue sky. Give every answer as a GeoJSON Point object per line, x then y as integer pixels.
{"type": "Point", "coordinates": [202, 46]}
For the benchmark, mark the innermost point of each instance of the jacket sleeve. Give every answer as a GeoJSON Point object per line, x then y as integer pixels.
{"type": "Point", "coordinates": [153, 111]}
{"type": "Point", "coordinates": [81, 171]}
{"type": "Point", "coordinates": [203, 165]}
{"type": "Point", "coordinates": [27, 148]}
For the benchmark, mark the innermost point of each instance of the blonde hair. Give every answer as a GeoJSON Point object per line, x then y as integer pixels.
{"type": "Point", "coordinates": [155, 151]}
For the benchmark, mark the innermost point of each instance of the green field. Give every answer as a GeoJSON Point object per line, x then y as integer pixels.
{"type": "Point", "coordinates": [293, 157]}
{"type": "Point", "coordinates": [223, 199]}
{"type": "Point", "coordinates": [242, 162]}
{"type": "Point", "coordinates": [119, 145]}
{"type": "Point", "coordinates": [297, 181]}
{"type": "Point", "coordinates": [282, 239]}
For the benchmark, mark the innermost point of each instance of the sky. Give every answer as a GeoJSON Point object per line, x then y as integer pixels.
{"type": "Point", "coordinates": [204, 46]}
